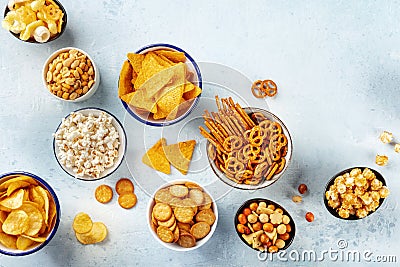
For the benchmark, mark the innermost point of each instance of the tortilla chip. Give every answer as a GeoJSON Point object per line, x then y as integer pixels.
{"type": "Point", "coordinates": [180, 155]}
{"type": "Point", "coordinates": [188, 87]}
{"type": "Point", "coordinates": [171, 99]}
{"type": "Point", "coordinates": [139, 100]}
{"type": "Point", "coordinates": [150, 67]}
{"type": "Point", "coordinates": [156, 159]}
{"type": "Point", "coordinates": [163, 61]}
{"type": "Point", "coordinates": [192, 93]}
{"type": "Point", "coordinates": [136, 61]}
{"type": "Point", "coordinates": [172, 55]}
{"type": "Point", "coordinates": [166, 59]}
{"type": "Point", "coordinates": [127, 98]}
{"type": "Point", "coordinates": [124, 84]}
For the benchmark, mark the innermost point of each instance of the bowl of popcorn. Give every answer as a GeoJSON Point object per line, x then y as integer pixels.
{"type": "Point", "coordinates": [71, 75]}
{"type": "Point", "coordinates": [355, 193]}
{"type": "Point", "coordinates": [29, 213]}
{"type": "Point", "coordinates": [248, 148]}
{"type": "Point", "coordinates": [182, 215]}
{"type": "Point", "coordinates": [264, 225]}
{"type": "Point", "coordinates": [35, 21]}
{"type": "Point", "coordinates": [89, 144]}
{"type": "Point", "coordinates": [159, 84]}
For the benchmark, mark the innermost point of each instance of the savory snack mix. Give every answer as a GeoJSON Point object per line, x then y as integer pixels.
{"type": "Point", "coordinates": [70, 75]}
{"type": "Point", "coordinates": [246, 148]}
{"type": "Point", "coordinates": [88, 232]}
{"type": "Point", "coordinates": [357, 192]}
{"type": "Point", "coordinates": [36, 19]}
{"type": "Point", "coordinates": [182, 214]}
{"type": "Point", "coordinates": [88, 145]}
{"type": "Point", "coordinates": [264, 227]}
{"type": "Point", "coordinates": [161, 156]}
{"type": "Point", "coordinates": [157, 83]}
{"type": "Point", "coordinates": [27, 213]}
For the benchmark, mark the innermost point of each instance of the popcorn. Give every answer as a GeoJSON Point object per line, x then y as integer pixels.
{"type": "Point", "coordinates": [397, 148]}
{"type": "Point", "coordinates": [381, 160]}
{"type": "Point", "coordinates": [386, 137]}
{"type": "Point", "coordinates": [87, 144]}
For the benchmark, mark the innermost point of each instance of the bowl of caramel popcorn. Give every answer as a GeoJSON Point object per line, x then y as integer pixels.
{"type": "Point", "coordinates": [355, 193]}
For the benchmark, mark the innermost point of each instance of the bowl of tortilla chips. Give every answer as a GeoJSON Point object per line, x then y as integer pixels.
{"type": "Point", "coordinates": [160, 84]}
{"type": "Point", "coordinates": [29, 213]}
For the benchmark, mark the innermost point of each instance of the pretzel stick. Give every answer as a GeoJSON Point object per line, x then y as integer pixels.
{"type": "Point", "coordinates": [218, 119]}
{"type": "Point", "coordinates": [212, 140]}
{"type": "Point", "coordinates": [244, 115]}
{"type": "Point", "coordinates": [214, 132]}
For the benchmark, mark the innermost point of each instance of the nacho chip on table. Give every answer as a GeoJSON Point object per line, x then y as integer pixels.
{"type": "Point", "coordinates": [156, 159]}
{"type": "Point", "coordinates": [180, 155]}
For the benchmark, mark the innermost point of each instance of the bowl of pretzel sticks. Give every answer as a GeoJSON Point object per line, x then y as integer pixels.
{"type": "Point", "coordinates": [248, 148]}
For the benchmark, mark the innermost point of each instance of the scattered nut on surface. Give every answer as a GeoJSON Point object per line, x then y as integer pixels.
{"type": "Point", "coordinates": [397, 148]}
{"type": "Point", "coordinates": [309, 216]}
{"type": "Point", "coordinates": [386, 137]}
{"type": "Point", "coordinates": [381, 160]}
{"type": "Point", "coordinates": [297, 199]}
{"type": "Point", "coordinates": [302, 189]}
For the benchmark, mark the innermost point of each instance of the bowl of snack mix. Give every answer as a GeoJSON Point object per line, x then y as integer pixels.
{"type": "Point", "coordinates": [159, 84]}
{"type": "Point", "coordinates": [248, 148]}
{"type": "Point", "coordinates": [182, 215]}
{"type": "Point", "coordinates": [35, 21]}
{"type": "Point", "coordinates": [89, 144]}
{"type": "Point", "coordinates": [29, 213]}
{"type": "Point", "coordinates": [70, 74]}
{"type": "Point", "coordinates": [264, 225]}
{"type": "Point", "coordinates": [355, 193]}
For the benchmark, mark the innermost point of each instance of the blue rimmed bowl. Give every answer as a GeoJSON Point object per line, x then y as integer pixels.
{"type": "Point", "coordinates": [52, 197]}
{"type": "Point", "coordinates": [196, 79]}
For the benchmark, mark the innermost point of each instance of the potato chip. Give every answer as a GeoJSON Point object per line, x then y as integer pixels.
{"type": "Point", "coordinates": [3, 216]}
{"type": "Point", "coordinates": [16, 185]}
{"type": "Point", "coordinates": [17, 222]}
{"type": "Point", "coordinates": [103, 193]}
{"type": "Point", "coordinates": [96, 235]}
{"type": "Point", "coordinates": [14, 201]}
{"type": "Point", "coordinates": [34, 196]}
{"type": "Point", "coordinates": [52, 215]}
{"type": "Point", "coordinates": [8, 241]}
{"type": "Point", "coordinates": [82, 223]}
{"type": "Point", "coordinates": [24, 243]}
{"type": "Point", "coordinates": [22, 178]}
{"type": "Point", "coordinates": [180, 155]}
{"type": "Point", "coordinates": [127, 200]}
{"type": "Point", "coordinates": [35, 218]}
{"type": "Point", "coordinates": [172, 55]}
{"type": "Point", "coordinates": [124, 84]}
{"type": "Point", "coordinates": [39, 239]}
{"type": "Point", "coordinates": [156, 159]}
{"type": "Point", "coordinates": [45, 197]}
{"type": "Point", "coordinates": [124, 185]}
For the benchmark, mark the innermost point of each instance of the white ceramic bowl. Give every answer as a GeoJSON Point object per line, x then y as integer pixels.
{"type": "Point", "coordinates": [91, 91]}
{"type": "Point", "coordinates": [45, 185]}
{"type": "Point", "coordinates": [197, 80]}
{"type": "Point", "coordinates": [121, 150]}
{"type": "Point", "coordinates": [175, 246]}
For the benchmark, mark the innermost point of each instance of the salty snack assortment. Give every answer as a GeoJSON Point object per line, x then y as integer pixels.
{"type": "Point", "coordinates": [247, 148]}
{"type": "Point", "coordinates": [70, 75]}
{"type": "Point", "coordinates": [356, 193]}
{"type": "Point", "coordinates": [88, 232]}
{"type": "Point", "coordinates": [28, 212]}
{"type": "Point", "coordinates": [264, 226]}
{"type": "Point", "coordinates": [88, 145]}
{"type": "Point", "coordinates": [157, 84]}
{"type": "Point", "coordinates": [38, 20]}
{"type": "Point", "coordinates": [182, 213]}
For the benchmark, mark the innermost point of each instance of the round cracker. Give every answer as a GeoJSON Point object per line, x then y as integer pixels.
{"type": "Point", "coordinates": [184, 226]}
{"type": "Point", "coordinates": [206, 216]}
{"type": "Point", "coordinates": [165, 234]}
{"type": "Point", "coordinates": [200, 230]}
{"type": "Point", "coordinates": [97, 234]}
{"type": "Point", "coordinates": [172, 227]}
{"type": "Point", "coordinates": [127, 200]}
{"type": "Point", "coordinates": [192, 185]}
{"type": "Point", "coordinates": [197, 196]}
{"type": "Point", "coordinates": [124, 185]}
{"type": "Point", "coordinates": [176, 234]}
{"type": "Point", "coordinates": [163, 196]}
{"type": "Point", "coordinates": [207, 202]}
{"type": "Point", "coordinates": [186, 240]}
{"type": "Point", "coordinates": [162, 212]}
{"type": "Point", "coordinates": [103, 193]}
{"type": "Point", "coordinates": [167, 223]}
{"type": "Point", "coordinates": [82, 223]}
{"type": "Point", "coordinates": [188, 202]}
{"type": "Point", "coordinates": [184, 214]}
{"type": "Point", "coordinates": [178, 190]}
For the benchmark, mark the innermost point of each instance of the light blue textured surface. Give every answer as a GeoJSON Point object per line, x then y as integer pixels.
{"type": "Point", "coordinates": [337, 66]}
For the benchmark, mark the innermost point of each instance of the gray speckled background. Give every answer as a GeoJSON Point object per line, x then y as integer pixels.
{"type": "Point", "coordinates": [337, 67]}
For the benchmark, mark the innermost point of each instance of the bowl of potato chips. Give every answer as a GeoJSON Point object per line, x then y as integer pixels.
{"type": "Point", "coordinates": [160, 84]}
{"type": "Point", "coordinates": [355, 193]}
{"type": "Point", "coordinates": [29, 213]}
{"type": "Point", "coordinates": [182, 215]}
{"type": "Point", "coordinates": [35, 21]}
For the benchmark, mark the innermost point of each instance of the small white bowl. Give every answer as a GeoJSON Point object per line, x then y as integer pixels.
{"type": "Point", "coordinates": [121, 150]}
{"type": "Point", "coordinates": [45, 185]}
{"type": "Point", "coordinates": [96, 75]}
{"type": "Point", "coordinates": [175, 246]}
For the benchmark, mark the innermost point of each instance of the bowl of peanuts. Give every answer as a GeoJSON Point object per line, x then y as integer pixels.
{"type": "Point", "coordinates": [70, 74]}
{"type": "Point", "coordinates": [355, 193]}
{"type": "Point", "coordinates": [252, 157]}
{"type": "Point", "coordinates": [264, 225]}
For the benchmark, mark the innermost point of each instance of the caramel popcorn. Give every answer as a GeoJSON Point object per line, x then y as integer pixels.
{"type": "Point", "coordinates": [386, 137]}
{"type": "Point", "coordinates": [356, 193]}
{"type": "Point", "coordinates": [397, 148]}
{"type": "Point", "coordinates": [381, 160]}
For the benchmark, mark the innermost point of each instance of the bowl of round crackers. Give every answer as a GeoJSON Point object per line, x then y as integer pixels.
{"type": "Point", "coordinates": [29, 213]}
{"type": "Point", "coordinates": [159, 84]}
{"type": "Point", "coordinates": [182, 215]}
